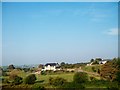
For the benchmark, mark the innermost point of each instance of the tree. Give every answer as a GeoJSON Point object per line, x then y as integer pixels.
{"type": "Point", "coordinates": [80, 77]}
{"type": "Point", "coordinates": [30, 79]}
{"type": "Point", "coordinates": [92, 60]}
{"type": "Point", "coordinates": [11, 67]}
{"type": "Point", "coordinates": [62, 63]}
{"type": "Point", "coordinates": [98, 59]}
{"type": "Point", "coordinates": [95, 62]}
{"type": "Point", "coordinates": [40, 66]}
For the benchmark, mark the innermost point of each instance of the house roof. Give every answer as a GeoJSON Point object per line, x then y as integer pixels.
{"type": "Point", "coordinates": [51, 64]}
{"type": "Point", "coordinates": [106, 59]}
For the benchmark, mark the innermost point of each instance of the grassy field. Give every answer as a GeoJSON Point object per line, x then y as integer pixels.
{"type": "Point", "coordinates": [67, 76]}
{"type": "Point", "coordinates": [89, 68]}
{"type": "Point", "coordinates": [43, 80]}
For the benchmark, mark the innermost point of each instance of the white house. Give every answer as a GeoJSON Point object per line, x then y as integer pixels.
{"type": "Point", "coordinates": [104, 61]}
{"type": "Point", "coordinates": [51, 66]}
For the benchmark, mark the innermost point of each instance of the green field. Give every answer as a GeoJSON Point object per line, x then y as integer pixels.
{"type": "Point", "coordinates": [43, 80]}
{"type": "Point", "coordinates": [89, 68]}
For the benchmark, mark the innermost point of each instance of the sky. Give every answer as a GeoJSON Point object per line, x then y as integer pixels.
{"type": "Point", "coordinates": [60, 0]}
{"type": "Point", "coordinates": [34, 33]}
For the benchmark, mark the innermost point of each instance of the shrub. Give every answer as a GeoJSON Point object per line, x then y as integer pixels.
{"type": "Point", "coordinates": [98, 71]}
{"type": "Point", "coordinates": [43, 73]}
{"type": "Point", "coordinates": [72, 71]}
{"type": "Point", "coordinates": [80, 77]}
{"type": "Point", "coordinates": [118, 77]}
{"type": "Point", "coordinates": [4, 73]}
{"type": "Point", "coordinates": [30, 79]}
{"type": "Point", "coordinates": [11, 66]}
{"type": "Point", "coordinates": [93, 79]}
{"type": "Point", "coordinates": [5, 80]}
{"type": "Point", "coordinates": [26, 69]}
{"type": "Point", "coordinates": [15, 79]}
{"type": "Point", "coordinates": [93, 69]}
{"type": "Point", "coordinates": [57, 81]}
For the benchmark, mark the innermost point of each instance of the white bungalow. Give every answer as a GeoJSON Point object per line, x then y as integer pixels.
{"type": "Point", "coordinates": [51, 66]}
{"type": "Point", "coordinates": [102, 62]}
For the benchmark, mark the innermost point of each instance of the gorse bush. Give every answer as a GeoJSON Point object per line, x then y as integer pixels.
{"type": "Point", "coordinates": [57, 81]}
{"type": "Point", "coordinates": [110, 70]}
{"type": "Point", "coordinates": [80, 77]}
{"type": "Point", "coordinates": [15, 79]}
{"type": "Point", "coordinates": [30, 79]}
{"type": "Point", "coordinates": [43, 72]}
{"type": "Point", "coordinates": [92, 78]}
{"type": "Point", "coordinates": [93, 69]}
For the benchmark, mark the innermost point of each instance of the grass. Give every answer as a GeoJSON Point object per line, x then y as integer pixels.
{"type": "Point", "coordinates": [89, 68]}
{"type": "Point", "coordinates": [44, 79]}
{"type": "Point", "coordinates": [67, 76]}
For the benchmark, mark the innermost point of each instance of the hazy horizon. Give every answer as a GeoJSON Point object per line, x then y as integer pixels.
{"type": "Point", "coordinates": [58, 32]}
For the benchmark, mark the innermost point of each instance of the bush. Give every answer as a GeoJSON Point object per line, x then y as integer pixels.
{"type": "Point", "coordinates": [80, 77]}
{"type": "Point", "coordinates": [11, 66]}
{"type": "Point", "coordinates": [26, 69]}
{"type": "Point", "coordinates": [43, 73]}
{"type": "Point", "coordinates": [57, 81]}
{"type": "Point", "coordinates": [15, 79]}
{"type": "Point", "coordinates": [5, 80]}
{"type": "Point", "coordinates": [93, 69]}
{"type": "Point", "coordinates": [98, 71]}
{"type": "Point", "coordinates": [93, 79]}
{"type": "Point", "coordinates": [4, 73]}
{"type": "Point", "coordinates": [118, 77]}
{"type": "Point", "coordinates": [30, 79]}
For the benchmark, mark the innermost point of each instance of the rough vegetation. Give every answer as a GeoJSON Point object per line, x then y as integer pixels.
{"type": "Point", "coordinates": [94, 76]}
{"type": "Point", "coordinates": [30, 79]}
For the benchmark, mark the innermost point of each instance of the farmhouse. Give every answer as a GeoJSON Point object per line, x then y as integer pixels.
{"type": "Point", "coordinates": [104, 61]}
{"type": "Point", "coordinates": [51, 66]}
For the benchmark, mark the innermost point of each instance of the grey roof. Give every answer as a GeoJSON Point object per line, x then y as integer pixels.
{"type": "Point", "coordinates": [51, 64]}
{"type": "Point", "coordinates": [106, 59]}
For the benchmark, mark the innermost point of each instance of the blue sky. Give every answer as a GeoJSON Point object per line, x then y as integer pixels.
{"type": "Point", "coordinates": [60, 0]}
{"type": "Point", "coordinates": [54, 32]}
